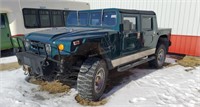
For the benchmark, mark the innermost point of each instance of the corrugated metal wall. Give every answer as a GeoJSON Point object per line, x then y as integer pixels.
{"type": "Point", "coordinates": [183, 16]}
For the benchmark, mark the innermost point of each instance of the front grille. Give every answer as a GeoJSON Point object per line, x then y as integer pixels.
{"type": "Point", "coordinates": [37, 47]}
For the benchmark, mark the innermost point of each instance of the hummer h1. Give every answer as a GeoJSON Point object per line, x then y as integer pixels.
{"type": "Point", "coordinates": [93, 43]}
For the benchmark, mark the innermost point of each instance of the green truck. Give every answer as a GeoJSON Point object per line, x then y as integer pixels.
{"type": "Point", "coordinates": [93, 43]}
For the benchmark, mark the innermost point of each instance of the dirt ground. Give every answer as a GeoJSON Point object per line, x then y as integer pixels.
{"type": "Point", "coordinates": [9, 66]}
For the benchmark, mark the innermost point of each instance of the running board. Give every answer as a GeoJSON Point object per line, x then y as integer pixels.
{"type": "Point", "coordinates": [126, 67]}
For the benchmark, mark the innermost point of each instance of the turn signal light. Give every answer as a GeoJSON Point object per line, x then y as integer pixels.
{"type": "Point", "coordinates": [61, 47]}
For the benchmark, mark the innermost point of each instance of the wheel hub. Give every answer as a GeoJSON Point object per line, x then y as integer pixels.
{"type": "Point", "coordinates": [99, 80]}
{"type": "Point", "coordinates": [161, 54]}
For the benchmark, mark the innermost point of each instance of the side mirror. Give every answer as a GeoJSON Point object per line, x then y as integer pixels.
{"type": "Point", "coordinates": [121, 27]}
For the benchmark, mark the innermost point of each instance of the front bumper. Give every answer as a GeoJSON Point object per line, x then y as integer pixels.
{"type": "Point", "coordinates": [39, 65]}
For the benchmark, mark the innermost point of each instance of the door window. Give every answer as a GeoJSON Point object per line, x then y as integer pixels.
{"type": "Point", "coordinates": [3, 24]}
{"type": "Point", "coordinates": [129, 23]}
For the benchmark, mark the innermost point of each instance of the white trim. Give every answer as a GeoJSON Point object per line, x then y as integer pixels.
{"type": "Point", "coordinates": [129, 58]}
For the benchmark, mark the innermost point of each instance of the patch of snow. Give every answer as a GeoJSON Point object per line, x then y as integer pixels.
{"type": "Point", "coordinates": [169, 86]}
{"type": "Point", "coordinates": [9, 59]}
{"type": "Point", "coordinates": [135, 100]}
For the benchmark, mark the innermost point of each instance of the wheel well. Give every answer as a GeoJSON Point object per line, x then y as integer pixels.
{"type": "Point", "coordinates": [163, 39]}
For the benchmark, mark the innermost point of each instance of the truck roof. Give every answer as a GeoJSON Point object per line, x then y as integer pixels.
{"type": "Point", "coordinates": [130, 11]}
{"type": "Point", "coordinates": [137, 11]}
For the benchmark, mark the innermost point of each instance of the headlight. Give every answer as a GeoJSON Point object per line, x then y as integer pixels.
{"type": "Point", "coordinates": [27, 43]}
{"type": "Point", "coordinates": [48, 48]}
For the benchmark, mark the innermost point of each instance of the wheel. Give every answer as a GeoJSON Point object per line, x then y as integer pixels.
{"type": "Point", "coordinates": [92, 79]}
{"type": "Point", "coordinates": [160, 57]}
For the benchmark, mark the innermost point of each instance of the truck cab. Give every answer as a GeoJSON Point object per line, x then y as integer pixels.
{"type": "Point", "coordinates": [93, 43]}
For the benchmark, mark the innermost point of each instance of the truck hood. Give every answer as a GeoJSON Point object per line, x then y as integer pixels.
{"type": "Point", "coordinates": [71, 33]}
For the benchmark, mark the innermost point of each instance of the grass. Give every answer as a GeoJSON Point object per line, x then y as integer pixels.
{"type": "Point", "coordinates": [51, 87]}
{"type": "Point", "coordinates": [189, 61]}
{"type": "Point", "coordinates": [85, 102]}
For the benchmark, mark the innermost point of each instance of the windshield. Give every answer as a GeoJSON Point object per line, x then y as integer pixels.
{"type": "Point", "coordinates": [92, 18]}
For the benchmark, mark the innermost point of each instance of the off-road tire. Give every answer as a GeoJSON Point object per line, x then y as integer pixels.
{"type": "Point", "coordinates": [87, 78]}
{"type": "Point", "coordinates": [160, 56]}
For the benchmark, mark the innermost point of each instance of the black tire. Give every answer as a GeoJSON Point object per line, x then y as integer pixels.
{"type": "Point", "coordinates": [90, 84]}
{"type": "Point", "coordinates": [160, 55]}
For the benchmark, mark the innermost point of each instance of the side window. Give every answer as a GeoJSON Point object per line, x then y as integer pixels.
{"type": "Point", "coordinates": [130, 23]}
{"type": "Point", "coordinates": [109, 18]}
{"type": "Point", "coordinates": [147, 23]}
{"type": "Point", "coordinates": [57, 19]}
{"type": "Point", "coordinates": [3, 24]}
{"type": "Point", "coordinates": [30, 18]}
{"type": "Point", "coordinates": [44, 17]}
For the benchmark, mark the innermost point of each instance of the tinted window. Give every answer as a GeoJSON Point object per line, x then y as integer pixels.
{"type": "Point", "coordinates": [44, 18]}
{"type": "Point", "coordinates": [30, 18]}
{"type": "Point", "coordinates": [72, 18]}
{"type": "Point", "coordinates": [147, 23]}
{"type": "Point", "coordinates": [57, 19]}
{"type": "Point", "coordinates": [83, 18]}
{"type": "Point", "coordinates": [2, 21]}
{"type": "Point", "coordinates": [109, 18]}
{"type": "Point", "coordinates": [95, 19]}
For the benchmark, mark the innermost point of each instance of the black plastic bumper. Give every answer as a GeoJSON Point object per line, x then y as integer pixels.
{"type": "Point", "coordinates": [35, 62]}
